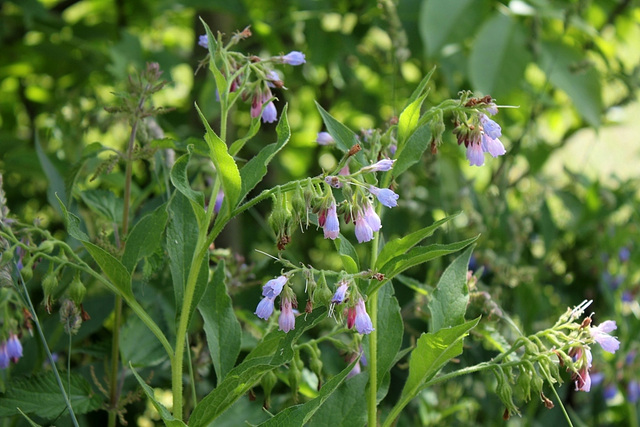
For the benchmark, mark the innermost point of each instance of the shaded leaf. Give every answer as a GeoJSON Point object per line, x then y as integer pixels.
{"type": "Point", "coordinates": [169, 420]}
{"type": "Point", "coordinates": [412, 152]}
{"type": "Point", "coordinates": [345, 138]}
{"type": "Point", "coordinates": [345, 407]}
{"type": "Point", "coordinates": [180, 180]}
{"type": "Point", "coordinates": [145, 237]}
{"type": "Point", "coordinates": [55, 188]}
{"type": "Point", "coordinates": [105, 203]}
{"type": "Point", "coordinates": [348, 255]}
{"type": "Point", "coordinates": [138, 347]}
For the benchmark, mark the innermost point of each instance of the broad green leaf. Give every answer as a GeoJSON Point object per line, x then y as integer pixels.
{"type": "Point", "coordinates": [421, 89]}
{"type": "Point", "coordinates": [421, 254]}
{"type": "Point", "coordinates": [253, 172]}
{"type": "Point", "coordinates": [299, 415]}
{"type": "Point", "coordinates": [55, 188]}
{"type": "Point", "coordinates": [275, 349]}
{"type": "Point", "coordinates": [220, 324]}
{"type": "Point", "coordinates": [180, 180]}
{"type": "Point", "coordinates": [105, 203]}
{"type": "Point", "coordinates": [439, 20]}
{"type": "Point", "coordinates": [432, 352]}
{"type": "Point", "coordinates": [402, 245]}
{"type": "Point", "coordinates": [182, 238]}
{"type": "Point", "coordinates": [40, 395]}
{"type": "Point", "coordinates": [566, 69]}
{"type": "Point", "coordinates": [408, 122]}
{"type": "Point", "coordinates": [345, 138]}
{"type": "Point", "coordinates": [226, 167]}
{"type": "Point", "coordinates": [413, 149]}
{"type": "Point", "coordinates": [346, 407]}
{"type": "Point", "coordinates": [111, 267]}
{"type": "Point", "coordinates": [390, 329]}
{"type": "Point", "coordinates": [145, 237]}
{"type": "Point", "coordinates": [138, 347]}
{"type": "Point", "coordinates": [499, 56]}
{"type": "Point", "coordinates": [448, 303]}
{"type": "Point", "coordinates": [348, 255]}
{"type": "Point", "coordinates": [164, 413]}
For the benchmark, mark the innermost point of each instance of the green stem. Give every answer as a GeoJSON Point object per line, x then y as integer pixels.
{"type": "Point", "coordinates": [372, 401]}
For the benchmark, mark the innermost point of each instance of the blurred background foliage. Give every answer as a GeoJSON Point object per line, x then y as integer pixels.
{"type": "Point", "coordinates": [558, 214]}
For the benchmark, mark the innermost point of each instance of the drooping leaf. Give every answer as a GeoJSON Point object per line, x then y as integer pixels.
{"type": "Point", "coordinates": [566, 69]}
{"type": "Point", "coordinates": [145, 237]}
{"type": "Point", "coordinates": [448, 304]}
{"type": "Point", "coordinates": [402, 245]}
{"type": "Point", "coordinates": [275, 349]}
{"type": "Point", "coordinates": [432, 352]}
{"type": "Point", "coordinates": [169, 420]}
{"type": "Point", "coordinates": [499, 56]}
{"type": "Point", "coordinates": [104, 203]}
{"type": "Point", "coordinates": [253, 172]}
{"type": "Point", "coordinates": [40, 395]}
{"type": "Point", "coordinates": [220, 325]}
{"type": "Point", "coordinates": [298, 415]}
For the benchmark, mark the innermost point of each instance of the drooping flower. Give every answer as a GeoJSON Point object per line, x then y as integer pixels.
{"type": "Point", "coordinates": [273, 287]}
{"type": "Point", "coordinates": [270, 114]}
{"type": "Point", "coordinates": [4, 357]}
{"type": "Point", "coordinates": [492, 146]}
{"type": "Point", "coordinates": [583, 380]}
{"type": "Point", "coordinates": [364, 232]}
{"type": "Point", "coordinates": [287, 320]}
{"type": "Point", "coordinates": [256, 106]}
{"type": "Point", "coordinates": [351, 317]}
{"type": "Point", "coordinates": [331, 224]}
{"type": "Point", "coordinates": [363, 321]}
{"type": "Point", "coordinates": [385, 196]}
{"type": "Point", "coordinates": [265, 308]}
{"type": "Point", "coordinates": [490, 127]}
{"type": "Point", "coordinates": [582, 358]}
{"type": "Point", "coordinates": [601, 334]}
{"type": "Point", "coordinates": [380, 166]}
{"type": "Point", "coordinates": [274, 80]}
{"type": "Point", "coordinates": [14, 348]}
{"type": "Point", "coordinates": [203, 41]}
{"type": "Point", "coordinates": [341, 293]}
{"type": "Point", "coordinates": [293, 58]}
{"type": "Point", "coordinates": [372, 218]}
{"type": "Point", "coordinates": [325, 138]}
{"type": "Point", "coordinates": [474, 153]}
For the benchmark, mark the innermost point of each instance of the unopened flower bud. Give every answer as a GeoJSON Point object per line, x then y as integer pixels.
{"type": "Point", "coordinates": [46, 246]}
{"type": "Point", "coordinates": [268, 381]}
{"type": "Point", "coordinates": [77, 290]}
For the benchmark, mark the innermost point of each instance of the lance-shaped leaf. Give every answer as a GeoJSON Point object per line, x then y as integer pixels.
{"type": "Point", "coordinates": [180, 180]}
{"type": "Point", "coordinates": [345, 138]}
{"type": "Point", "coordinates": [348, 255]}
{"type": "Point", "coordinates": [145, 237]}
{"type": "Point", "coordinates": [408, 122]}
{"type": "Point", "coordinates": [169, 420]}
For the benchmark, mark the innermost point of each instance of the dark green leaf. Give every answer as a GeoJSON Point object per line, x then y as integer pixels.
{"type": "Point", "coordinates": [180, 180]}
{"type": "Point", "coordinates": [56, 188]}
{"type": "Point", "coordinates": [253, 172]}
{"type": "Point", "coordinates": [448, 304]}
{"type": "Point", "coordinates": [138, 347]}
{"type": "Point", "coordinates": [72, 223]}
{"type": "Point", "coordinates": [145, 237]}
{"type": "Point", "coordinates": [348, 255]}
{"type": "Point", "coordinates": [346, 407]}
{"type": "Point", "coordinates": [345, 138]}
{"type": "Point", "coordinates": [41, 395]}
{"type": "Point", "coordinates": [164, 413]}
{"type": "Point", "coordinates": [390, 329]}
{"type": "Point", "coordinates": [413, 149]}
{"type": "Point", "coordinates": [499, 56]}
{"type": "Point", "coordinates": [111, 267]}
{"type": "Point", "coordinates": [105, 203]}
{"type": "Point", "coordinates": [440, 19]}
{"type": "Point", "coordinates": [220, 324]}
{"type": "Point", "coordinates": [402, 245]}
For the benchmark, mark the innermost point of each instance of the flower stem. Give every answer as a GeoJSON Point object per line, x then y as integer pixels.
{"type": "Point", "coordinates": [372, 400]}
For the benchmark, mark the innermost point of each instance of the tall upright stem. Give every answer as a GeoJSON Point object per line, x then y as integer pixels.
{"type": "Point", "coordinates": [372, 404]}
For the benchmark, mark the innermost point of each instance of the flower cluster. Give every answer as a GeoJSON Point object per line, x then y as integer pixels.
{"type": "Point", "coordinates": [270, 291]}
{"type": "Point", "coordinates": [254, 77]}
{"type": "Point", "coordinates": [10, 350]}
{"type": "Point", "coordinates": [479, 133]}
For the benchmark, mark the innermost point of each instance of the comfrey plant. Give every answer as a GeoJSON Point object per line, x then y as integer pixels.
{"type": "Point", "coordinates": [352, 308]}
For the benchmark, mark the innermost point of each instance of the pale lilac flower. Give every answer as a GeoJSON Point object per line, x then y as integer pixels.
{"type": "Point", "coordinates": [601, 334]}
{"type": "Point", "coordinates": [372, 218]}
{"type": "Point", "coordinates": [490, 127]}
{"type": "Point", "coordinates": [287, 320]}
{"type": "Point", "coordinates": [392, 149]}
{"type": "Point", "coordinates": [331, 224]}
{"type": "Point", "coordinates": [364, 233]}
{"type": "Point", "coordinates": [492, 146]}
{"type": "Point", "coordinates": [363, 321]}
{"type": "Point", "coordinates": [475, 154]}
{"type": "Point", "coordinates": [265, 308]}
{"type": "Point", "coordinates": [273, 287]}
{"type": "Point", "coordinates": [4, 357]}
{"type": "Point", "coordinates": [385, 196]}
{"type": "Point", "coordinates": [324, 138]}
{"type": "Point", "coordinates": [341, 293]}
{"type": "Point", "coordinates": [219, 200]}
{"type": "Point", "coordinates": [270, 114]}
{"type": "Point", "coordinates": [380, 166]}
{"type": "Point", "coordinates": [273, 79]}
{"type": "Point", "coordinates": [203, 41]}
{"type": "Point", "coordinates": [293, 58]}
{"type": "Point", "coordinates": [355, 371]}
{"type": "Point", "coordinates": [14, 348]}
{"type": "Point", "coordinates": [492, 109]}
{"type": "Point", "coordinates": [583, 380]}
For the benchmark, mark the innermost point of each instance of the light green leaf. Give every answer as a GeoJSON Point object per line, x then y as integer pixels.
{"type": "Point", "coordinates": [408, 122]}
{"type": "Point", "coordinates": [432, 352]}
{"type": "Point", "coordinates": [226, 167]}
{"type": "Point", "coordinates": [568, 71]}
{"type": "Point", "coordinates": [348, 255]}
{"type": "Point", "coordinates": [166, 416]}
{"type": "Point", "coordinates": [104, 203]}
{"type": "Point", "coordinates": [220, 325]}
{"type": "Point", "coordinates": [145, 237]}
{"type": "Point", "coordinates": [253, 172]}
{"type": "Point", "coordinates": [402, 245]}
{"type": "Point", "coordinates": [275, 349]}
{"type": "Point", "coordinates": [345, 138]}
{"type": "Point", "coordinates": [180, 180]}
{"type": "Point", "coordinates": [499, 56]}
{"type": "Point", "coordinates": [40, 395]}
{"type": "Point", "coordinates": [298, 415]}
{"type": "Point", "coordinates": [448, 304]}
